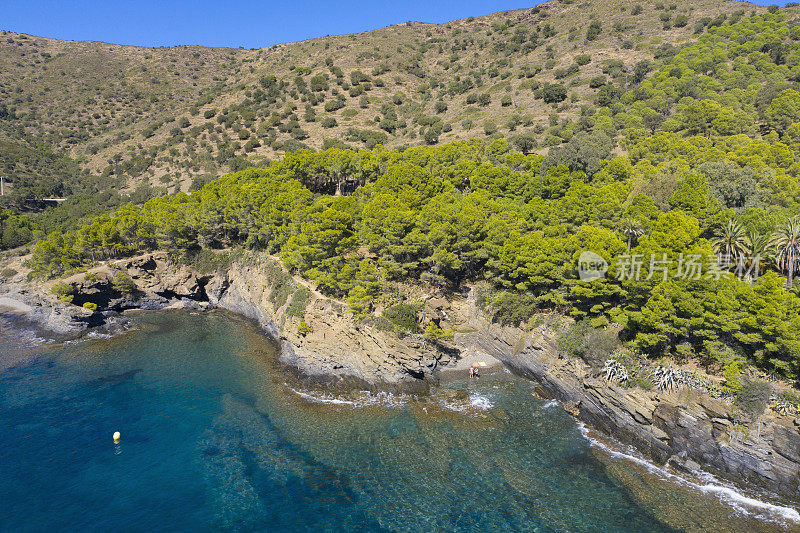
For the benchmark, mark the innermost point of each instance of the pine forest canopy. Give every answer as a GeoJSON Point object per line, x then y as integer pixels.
{"type": "Point", "coordinates": [683, 142]}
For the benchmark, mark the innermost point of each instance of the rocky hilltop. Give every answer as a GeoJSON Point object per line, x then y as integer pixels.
{"type": "Point", "coordinates": [180, 115]}
{"type": "Point", "coordinates": [688, 429]}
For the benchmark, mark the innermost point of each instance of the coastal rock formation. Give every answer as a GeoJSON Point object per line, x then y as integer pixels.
{"type": "Point", "coordinates": [331, 346]}
{"type": "Point", "coordinates": [686, 428]}
{"type": "Point", "coordinates": [23, 302]}
{"type": "Point", "coordinates": [61, 321]}
{"type": "Point", "coordinates": [320, 339]}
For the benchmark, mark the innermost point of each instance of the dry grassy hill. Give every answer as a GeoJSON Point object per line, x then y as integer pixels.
{"type": "Point", "coordinates": [174, 116]}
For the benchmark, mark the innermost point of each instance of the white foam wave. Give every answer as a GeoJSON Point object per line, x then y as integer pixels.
{"type": "Point", "coordinates": [729, 495]}
{"type": "Point", "coordinates": [481, 402]}
{"type": "Point", "coordinates": [361, 399]}
{"type": "Point", "coordinates": [476, 403]}
{"type": "Point", "coordinates": [22, 337]}
{"type": "Point", "coordinates": [92, 335]}
{"type": "Point", "coordinates": [35, 340]}
{"type": "Point", "coordinates": [98, 335]}
{"type": "Point", "coordinates": [740, 501]}
{"type": "Point", "coordinates": [321, 398]}
{"type": "Point", "coordinates": [550, 403]}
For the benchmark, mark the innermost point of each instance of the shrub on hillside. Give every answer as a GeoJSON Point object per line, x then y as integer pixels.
{"type": "Point", "coordinates": [63, 291]}
{"type": "Point", "coordinates": [594, 30]}
{"type": "Point", "coordinates": [551, 93]}
{"type": "Point", "coordinates": [434, 333]}
{"type": "Point", "coordinates": [593, 345]}
{"type": "Point", "coordinates": [752, 398]}
{"type": "Point", "coordinates": [404, 317]}
{"type": "Point", "coordinates": [123, 283]}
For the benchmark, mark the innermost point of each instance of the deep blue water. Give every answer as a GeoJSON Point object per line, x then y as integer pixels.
{"type": "Point", "coordinates": [216, 438]}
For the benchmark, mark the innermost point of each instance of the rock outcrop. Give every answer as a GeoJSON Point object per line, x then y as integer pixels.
{"type": "Point", "coordinates": [331, 346]}
{"type": "Point", "coordinates": [334, 346]}
{"type": "Point", "coordinates": [687, 428]}
{"type": "Point", "coordinates": [24, 306]}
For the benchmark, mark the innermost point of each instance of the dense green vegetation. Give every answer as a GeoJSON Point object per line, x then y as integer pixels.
{"type": "Point", "coordinates": [471, 212]}
{"type": "Point", "coordinates": [177, 117]}
{"type": "Point", "coordinates": [687, 161]}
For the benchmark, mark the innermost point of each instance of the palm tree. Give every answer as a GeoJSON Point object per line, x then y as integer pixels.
{"type": "Point", "coordinates": [786, 240]}
{"type": "Point", "coordinates": [731, 241]}
{"type": "Point", "coordinates": [632, 228]}
{"type": "Point", "coordinates": [758, 248]}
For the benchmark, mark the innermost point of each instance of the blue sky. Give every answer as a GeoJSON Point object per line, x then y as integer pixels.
{"type": "Point", "coordinates": [253, 24]}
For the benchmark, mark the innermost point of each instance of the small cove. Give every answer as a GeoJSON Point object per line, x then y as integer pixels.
{"type": "Point", "coordinates": [216, 437]}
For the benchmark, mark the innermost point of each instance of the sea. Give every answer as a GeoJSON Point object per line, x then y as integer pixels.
{"type": "Point", "coordinates": [215, 435]}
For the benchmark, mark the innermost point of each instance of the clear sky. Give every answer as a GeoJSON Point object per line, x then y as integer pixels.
{"type": "Point", "coordinates": [234, 23]}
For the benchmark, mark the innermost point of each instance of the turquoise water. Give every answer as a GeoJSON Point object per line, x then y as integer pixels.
{"type": "Point", "coordinates": [216, 438]}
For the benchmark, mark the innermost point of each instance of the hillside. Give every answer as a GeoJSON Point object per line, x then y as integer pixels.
{"type": "Point", "coordinates": [177, 116]}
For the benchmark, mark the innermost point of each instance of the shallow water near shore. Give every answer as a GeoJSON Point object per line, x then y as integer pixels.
{"type": "Point", "coordinates": [216, 437]}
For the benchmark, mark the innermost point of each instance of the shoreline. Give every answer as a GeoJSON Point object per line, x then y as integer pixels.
{"type": "Point", "coordinates": [341, 355]}
{"type": "Point", "coordinates": [311, 389]}
{"type": "Point", "coordinates": [13, 306]}
{"type": "Point", "coordinates": [701, 481]}
{"type": "Point", "coordinates": [489, 407]}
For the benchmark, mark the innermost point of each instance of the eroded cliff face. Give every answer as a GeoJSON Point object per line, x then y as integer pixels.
{"type": "Point", "coordinates": [332, 346]}
{"type": "Point", "coordinates": [335, 346]}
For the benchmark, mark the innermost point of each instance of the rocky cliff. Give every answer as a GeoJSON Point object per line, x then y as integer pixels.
{"type": "Point", "coordinates": [331, 346]}
{"type": "Point", "coordinates": [686, 428]}
{"type": "Point", "coordinates": [334, 346]}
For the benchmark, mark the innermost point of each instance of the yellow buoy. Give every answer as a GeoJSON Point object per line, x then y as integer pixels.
{"type": "Point", "coordinates": [116, 436]}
